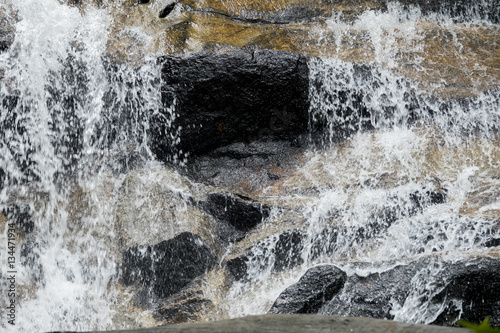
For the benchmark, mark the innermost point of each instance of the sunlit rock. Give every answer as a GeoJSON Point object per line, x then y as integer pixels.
{"type": "Point", "coordinates": [157, 204]}
{"type": "Point", "coordinates": [366, 32]}
{"type": "Point", "coordinates": [483, 201]}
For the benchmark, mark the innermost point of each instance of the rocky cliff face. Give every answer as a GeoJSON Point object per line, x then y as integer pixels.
{"type": "Point", "coordinates": [317, 153]}
{"type": "Point", "coordinates": [447, 55]}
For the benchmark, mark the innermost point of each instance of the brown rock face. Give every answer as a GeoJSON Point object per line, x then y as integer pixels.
{"type": "Point", "coordinates": [441, 44]}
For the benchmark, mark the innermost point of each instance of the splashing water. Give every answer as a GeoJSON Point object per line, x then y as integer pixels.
{"type": "Point", "coordinates": [70, 125]}
{"type": "Point", "coordinates": [394, 177]}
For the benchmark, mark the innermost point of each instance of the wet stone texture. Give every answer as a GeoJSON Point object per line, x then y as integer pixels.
{"type": "Point", "coordinates": [282, 251]}
{"type": "Point", "coordinates": [240, 212]}
{"type": "Point", "coordinates": [167, 267]}
{"type": "Point", "coordinates": [236, 97]}
{"type": "Point", "coordinates": [467, 288]}
{"type": "Point", "coordinates": [299, 323]}
{"type": "Point", "coordinates": [315, 288]}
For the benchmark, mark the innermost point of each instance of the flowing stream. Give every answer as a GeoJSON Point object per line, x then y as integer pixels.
{"type": "Point", "coordinates": [63, 161]}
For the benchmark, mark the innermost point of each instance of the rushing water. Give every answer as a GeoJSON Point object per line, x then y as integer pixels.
{"type": "Point", "coordinates": [60, 103]}
{"type": "Point", "coordinates": [64, 159]}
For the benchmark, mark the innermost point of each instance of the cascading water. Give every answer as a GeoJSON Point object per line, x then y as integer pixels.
{"type": "Point", "coordinates": [387, 184]}
{"type": "Point", "coordinates": [393, 183]}
{"type": "Point", "coordinates": [70, 124]}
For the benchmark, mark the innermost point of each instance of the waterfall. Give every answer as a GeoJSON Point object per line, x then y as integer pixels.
{"type": "Point", "coordinates": [384, 180]}
{"type": "Point", "coordinates": [394, 176]}
{"type": "Point", "coordinates": [70, 125]}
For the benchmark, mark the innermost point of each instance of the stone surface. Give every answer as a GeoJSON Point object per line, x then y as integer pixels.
{"type": "Point", "coordinates": [299, 323]}
{"type": "Point", "coordinates": [473, 293]}
{"type": "Point", "coordinates": [167, 267]}
{"type": "Point", "coordinates": [472, 284]}
{"type": "Point", "coordinates": [316, 287]}
{"type": "Point", "coordinates": [228, 98]}
{"type": "Point", "coordinates": [483, 201]}
{"type": "Point", "coordinates": [247, 167]}
{"type": "Point", "coordinates": [160, 203]}
{"type": "Point", "coordinates": [188, 305]}
{"type": "Point", "coordinates": [240, 212]}
{"type": "Point", "coordinates": [282, 251]}
{"type": "Point", "coordinates": [416, 47]}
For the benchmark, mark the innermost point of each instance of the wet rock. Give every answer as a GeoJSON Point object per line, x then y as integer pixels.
{"type": "Point", "coordinates": [316, 287]}
{"type": "Point", "coordinates": [376, 218]}
{"type": "Point", "coordinates": [282, 251]}
{"type": "Point", "coordinates": [303, 323]}
{"type": "Point", "coordinates": [371, 295]}
{"type": "Point", "coordinates": [460, 10]}
{"type": "Point", "coordinates": [188, 305]}
{"type": "Point", "coordinates": [165, 268]}
{"type": "Point", "coordinates": [241, 212]}
{"type": "Point", "coordinates": [167, 10]}
{"type": "Point", "coordinates": [248, 168]}
{"type": "Point", "coordinates": [300, 26]}
{"type": "Point", "coordinates": [163, 198]}
{"type": "Point", "coordinates": [265, 12]}
{"type": "Point", "coordinates": [473, 293]}
{"type": "Point", "coordinates": [440, 292]}
{"type": "Point", "coordinates": [482, 201]}
{"type": "Point", "coordinates": [30, 258]}
{"type": "Point", "coordinates": [221, 99]}
{"type": "Point", "coordinates": [494, 242]}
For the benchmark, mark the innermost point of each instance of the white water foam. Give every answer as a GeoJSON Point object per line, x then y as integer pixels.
{"type": "Point", "coordinates": [72, 118]}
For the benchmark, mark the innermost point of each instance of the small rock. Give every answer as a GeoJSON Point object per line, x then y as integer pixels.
{"type": "Point", "coordinates": [167, 10]}
{"type": "Point", "coordinates": [186, 306]}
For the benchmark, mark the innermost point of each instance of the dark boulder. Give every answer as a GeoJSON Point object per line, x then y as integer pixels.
{"type": "Point", "coordinates": [317, 286]}
{"type": "Point", "coordinates": [282, 251]}
{"type": "Point", "coordinates": [167, 267]}
{"type": "Point", "coordinates": [441, 292]}
{"type": "Point", "coordinates": [472, 294]}
{"type": "Point", "coordinates": [220, 99]}
{"type": "Point", "coordinates": [372, 295]}
{"type": "Point", "coordinates": [241, 212]}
